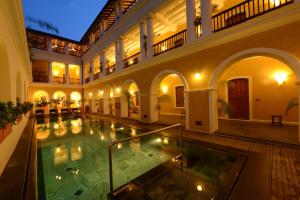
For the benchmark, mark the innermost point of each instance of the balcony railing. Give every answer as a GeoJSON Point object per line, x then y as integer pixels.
{"type": "Point", "coordinates": [40, 78]}
{"type": "Point", "coordinates": [58, 48]}
{"type": "Point", "coordinates": [132, 60]}
{"type": "Point", "coordinates": [111, 69]}
{"type": "Point", "coordinates": [58, 79]}
{"type": "Point", "coordinates": [87, 79]}
{"type": "Point", "coordinates": [245, 11]}
{"type": "Point", "coordinates": [170, 43]}
{"type": "Point", "coordinates": [97, 75]}
{"type": "Point", "coordinates": [74, 81]}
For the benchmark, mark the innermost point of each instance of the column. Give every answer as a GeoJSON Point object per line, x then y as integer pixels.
{"type": "Point", "coordinates": [149, 37]}
{"type": "Point", "coordinates": [66, 48]}
{"type": "Point", "coordinates": [102, 27]}
{"type": "Point", "coordinates": [92, 70]}
{"type": "Point", "coordinates": [120, 63]}
{"type": "Point", "coordinates": [82, 74]}
{"type": "Point", "coordinates": [206, 17]}
{"type": "Point", "coordinates": [49, 45]}
{"type": "Point", "coordinates": [190, 17]}
{"type": "Point", "coordinates": [117, 55]}
{"type": "Point", "coordinates": [102, 63]}
{"type": "Point", "coordinates": [143, 42]}
{"type": "Point", "coordinates": [67, 74]}
{"type": "Point", "coordinates": [49, 71]}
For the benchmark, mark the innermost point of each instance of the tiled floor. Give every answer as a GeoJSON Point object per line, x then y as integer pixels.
{"type": "Point", "coordinates": [285, 160]}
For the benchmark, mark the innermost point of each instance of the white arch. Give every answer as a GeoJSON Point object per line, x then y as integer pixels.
{"type": "Point", "coordinates": [283, 56]}
{"type": "Point", "coordinates": [124, 103]}
{"type": "Point", "coordinates": [154, 93]}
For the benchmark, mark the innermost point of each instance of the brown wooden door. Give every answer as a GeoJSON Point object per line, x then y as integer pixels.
{"type": "Point", "coordinates": [238, 98]}
{"type": "Point", "coordinates": [179, 90]}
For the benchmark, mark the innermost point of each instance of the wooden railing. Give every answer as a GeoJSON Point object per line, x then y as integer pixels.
{"type": "Point", "coordinates": [40, 78]}
{"type": "Point", "coordinates": [74, 81]}
{"type": "Point", "coordinates": [58, 48]}
{"type": "Point", "coordinates": [172, 42]}
{"type": "Point", "coordinates": [244, 11]}
{"type": "Point", "coordinates": [58, 79]}
{"type": "Point", "coordinates": [97, 75]}
{"type": "Point", "coordinates": [111, 69]}
{"type": "Point", "coordinates": [132, 60]}
{"type": "Point", "coordinates": [87, 79]}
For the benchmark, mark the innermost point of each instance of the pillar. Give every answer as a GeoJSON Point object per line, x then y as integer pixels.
{"type": "Point", "coordinates": [206, 17]}
{"type": "Point", "coordinates": [143, 42]}
{"type": "Point", "coordinates": [119, 9]}
{"type": "Point", "coordinates": [92, 70]}
{"type": "Point", "coordinates": [149, 37]}
{"type": "Point", "coordinates": [213, 110]}
{"type": "Point", "coordinates": [67, 74]}
{"type": "Point", "coordinates": [190, 17]}
{"type": "Point", "coordinates": [49, 71]}
{"type": "Point", "coordinates": [119, 54]}
{"type": "Point", "coordinates": [102, 64]}
{"type": "Point", "coordinates": [66, 48]}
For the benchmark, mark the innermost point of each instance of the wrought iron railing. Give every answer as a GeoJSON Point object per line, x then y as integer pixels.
{"type": "Point", "coordinates": [244, 11]}
{"type": "Point", "coordinates": [133, 138]}
{"type": "Point", "coordinates": [58, 48]}
{"type": "Point", "coordinates": [111, 69]}
{"type": "Point", "coordinates": [40, 78]}
{"type": "Point", "coordinates": [58, 79]}
{"type": "Point", "coordinates": [170, 43]}
{"type": "Point", "coordinates": [74, 81]}
{"type": "Point", "coordinates": [132, 60]}
{"type": "Point", "coordinates": [97, 75]}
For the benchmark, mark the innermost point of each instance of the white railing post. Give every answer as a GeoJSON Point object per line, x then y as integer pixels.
{"type": "Point", "coordinates": [206, 17]}
{"type": "Point", "coordinates": [190, 17]}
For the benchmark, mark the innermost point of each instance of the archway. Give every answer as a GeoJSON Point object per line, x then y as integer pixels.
{"type": "Point", "coordinates": [76, 100]}
{"type": "Point", "coordinates": [5, 94]}
{"type": "Point", "coordinates": [59, 100]}
{"type": "Point", "coordinates": [130, 100]}
{"type": "Point", "coordinates": [41, 99]}
{"type": "Point", "coordinates": [168, 98]}
{"type": "Point", "coordinates": [255, 87]}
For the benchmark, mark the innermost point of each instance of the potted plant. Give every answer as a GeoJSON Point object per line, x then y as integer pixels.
{"type": "Point", "coordinates": [3, 121]}
{"type": "Point", "coordinates": [18, 110]}
{"type": "Point", "coordinates": [224, 107]}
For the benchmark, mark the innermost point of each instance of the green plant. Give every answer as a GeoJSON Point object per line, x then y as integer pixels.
{"type": "Point", "coordinates": [224, 107]}
{"type": "Point", "coordinates": [3, 115]}
{"type": "Point", "coordinates": [12, 112]}
{"type": "Point", "coordinates": [129, 100]}
{"type": "Point", "coordinates": [291, 104]}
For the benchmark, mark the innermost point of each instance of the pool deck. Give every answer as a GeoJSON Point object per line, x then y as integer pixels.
{"type": "Point", "coordinates": [285, 178]}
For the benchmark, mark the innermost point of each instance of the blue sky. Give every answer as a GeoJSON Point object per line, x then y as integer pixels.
{"type": "Point", "coordinates": [71, 17]}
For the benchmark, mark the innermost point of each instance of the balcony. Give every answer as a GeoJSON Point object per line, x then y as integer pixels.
{"type": "Point", "coordinates": [170, 43]}
{"type": "Point", "coordinates": [111, 69]}
{"type": "Point", "coordinates": [74, 81]}
{"type": "Point", "coordinates": [58, 79]}
{"type": "Point", "coordinates": [132, 60]}
{"type": "Point", "coordinates": [245, 11]}
{"type": "Point", "coordinates": [39, 78]}
{"type": "Point", "coordinates": [97, 75]}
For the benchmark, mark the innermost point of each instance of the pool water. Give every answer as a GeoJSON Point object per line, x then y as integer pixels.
{"type": "Point", "coordinates": [73, 160]}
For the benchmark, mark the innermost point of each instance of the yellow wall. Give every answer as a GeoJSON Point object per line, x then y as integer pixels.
{"type": "Point", "coordinates": [168, 103]}
{"type": "Point", "coordinates": [268, 97]}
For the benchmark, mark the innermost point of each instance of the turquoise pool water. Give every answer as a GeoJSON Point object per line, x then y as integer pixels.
{"type": "Point", "coordinates": [73, 160]}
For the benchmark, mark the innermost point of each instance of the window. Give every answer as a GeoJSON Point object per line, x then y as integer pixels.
{"type": "Point", "coordinates": [179, 96]}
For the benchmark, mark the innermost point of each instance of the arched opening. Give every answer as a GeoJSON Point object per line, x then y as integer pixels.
{"type": "Point", "coordinates": [59, 100]}
{"type": "Point", "coordinates": [130, 100]}
{"type": "Point", "coordinates": [76, 101]}
{"type": "Point", "coordinates": [168, 104]}
{"type": "Point", "coordinates": [256, 96]}
{"type": "Point", "coordinates": [41, 100]}
{"type": "Point", "coordinates": [19, 87]}
{"type": "Point", "coordinates": [5, 94]}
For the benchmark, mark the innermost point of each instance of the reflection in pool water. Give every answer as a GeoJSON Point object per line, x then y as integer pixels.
{"type": "Point", "coordinates": [73, 159]}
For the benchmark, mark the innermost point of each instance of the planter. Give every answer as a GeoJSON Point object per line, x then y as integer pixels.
{"type": "Point", "coordinates": [19, 118]}
{"type": "Point", "coordinates": [5, 131]}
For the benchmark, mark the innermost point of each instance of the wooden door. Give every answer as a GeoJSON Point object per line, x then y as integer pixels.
{"type": "Point", "coordinates": [238, 98]}
{"type": "Point", "coordinates": [179, 92]}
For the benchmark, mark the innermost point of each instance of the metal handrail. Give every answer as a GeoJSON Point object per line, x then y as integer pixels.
{"type": "Point", "coordinates": [132, 138]}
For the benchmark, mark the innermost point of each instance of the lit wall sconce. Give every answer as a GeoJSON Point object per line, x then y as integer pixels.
{"type": "Point", "coordinates": [118, 90]}
{"type": "Point", "coordinates": [111, 94]}
{"type": "Point", "coordinates": [90, 95]}
{"type": "Point", "coordinates": [101, 92]}
{"type": "Point", "coordinates": [280, 77]}
{"type": "Point", "coordinates": [164, 89]}
{"type": "Point", "coordinates": [197, 76]}
{"type": "Point", "coordinates": [132, 92]}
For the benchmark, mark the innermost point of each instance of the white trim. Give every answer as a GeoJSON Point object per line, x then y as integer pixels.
{"type": "Point", "coordinates": [259, 121]}
{"type": "Point", "coordinates": [170, 114]}
{"type": "Point", "coordinates": [250, 93]}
